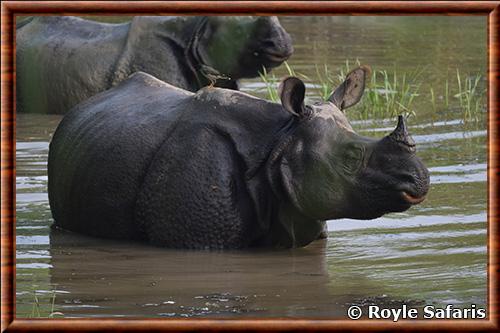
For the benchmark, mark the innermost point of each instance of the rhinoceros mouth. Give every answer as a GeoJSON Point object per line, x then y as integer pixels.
{"type": "Point", "coordinates": [411, 199]}
{"type": "Point", "coordinates": [275, 56]}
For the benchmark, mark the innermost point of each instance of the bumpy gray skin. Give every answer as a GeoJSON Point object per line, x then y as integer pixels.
{"type": "Point", "coordinates": [218, 169]}
{"type": "Point", "coordinates": [62, 61]}
{"type": "Point", "coordinates": [147, 160]}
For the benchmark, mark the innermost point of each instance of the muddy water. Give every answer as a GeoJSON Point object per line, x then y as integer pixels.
{"type": "Point", "coordinates": [435, 253]}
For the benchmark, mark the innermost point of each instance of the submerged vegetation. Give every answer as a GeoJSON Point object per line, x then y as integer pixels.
{"type": "Point", "coordinates": [391, 93]}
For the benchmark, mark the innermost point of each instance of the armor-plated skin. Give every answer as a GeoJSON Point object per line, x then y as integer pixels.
{"type": "Point", "coordinates": [222, 169]}
{"type": "Point", "coordinates": [63, 60]}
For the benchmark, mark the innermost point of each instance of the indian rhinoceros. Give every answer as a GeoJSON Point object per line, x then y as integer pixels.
{"type": "Point", "coordinates": [64, 60]}
{"type": "Point", "coordinates": [221, 169]}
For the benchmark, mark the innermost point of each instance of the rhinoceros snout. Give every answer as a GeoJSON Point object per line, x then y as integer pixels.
{"type": "Point", "coordinates": [414, 182]}
{"type": "Point", "coordinates": [276, 50]}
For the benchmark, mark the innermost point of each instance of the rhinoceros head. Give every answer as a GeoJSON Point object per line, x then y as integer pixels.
{"type": "Point", "coordinates": [239, 46]}
{"type": "Point", "coordinates": [328, 171]}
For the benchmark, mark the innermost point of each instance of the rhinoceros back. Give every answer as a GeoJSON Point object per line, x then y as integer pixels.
{"type": "Point", "coordinates": [149, 161]}
{"type": "Point", "coordinates": [61, 61]}
{"type": "Point", "coordinates": [101, 150]}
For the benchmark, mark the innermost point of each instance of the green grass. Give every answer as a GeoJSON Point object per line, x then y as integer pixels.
{"type": "Point", "coordinates": [44, 308]}
{"type": "Point", "coordinates": [387, 94]}
{"type": "Point", "coordinates": [462, 97]}
{"type": "Point", "coordinates": [470, 97]}
{"type": "Point", "coordinates": [271, 83]}
{"type": "Point", "coordinates": [392, 93]}
{"type": "Point", "coordinates": [328, 80]}
{"type": "Point", "coordinates": [433, 103]}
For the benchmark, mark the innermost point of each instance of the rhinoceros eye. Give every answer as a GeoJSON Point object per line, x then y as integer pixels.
{"type": "Point", "coordinates": [352, 159]}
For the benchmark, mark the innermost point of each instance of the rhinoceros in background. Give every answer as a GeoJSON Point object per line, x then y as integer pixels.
{"type": "Point", "coordinates": [62, 61]}
{"type": "Point", "coordinates": [222, 169]}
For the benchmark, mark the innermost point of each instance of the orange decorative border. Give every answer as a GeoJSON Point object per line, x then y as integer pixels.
{"type": "Point", "coordinates": [11, 8]}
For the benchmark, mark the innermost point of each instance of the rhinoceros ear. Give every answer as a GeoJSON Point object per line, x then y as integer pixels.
{"type": "Point", "coordinates": [350, 91]}
{"type": "Point", "coordinates": [292, 92]}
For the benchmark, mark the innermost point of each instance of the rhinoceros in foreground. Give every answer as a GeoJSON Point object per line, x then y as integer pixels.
{"type": "Point", "coordinates": [62, 61]}
{"type": "Point", "coordinates": [221, 169]}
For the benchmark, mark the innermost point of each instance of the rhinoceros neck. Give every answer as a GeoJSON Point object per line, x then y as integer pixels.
{"type": "Point", "coordinates": [187, 39]}
{"type": "Point", "coordinates": [273, 163]}
{"type": "Point", "coordinates": [195, 60]}
{"type": "Point", "coordinates": [166, 41]}
{"type": "Point", "coordinates": [292, 229]}
{"type": "Point", "coordinates": [290, 226]}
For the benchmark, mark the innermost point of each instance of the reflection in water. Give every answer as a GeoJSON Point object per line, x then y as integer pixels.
{"type": "Point", "coordinates": [154, 281]}
{"type": "Point", "coordinates": [435, 253]}
{"type": "Point", "coordinates": [386, 266]}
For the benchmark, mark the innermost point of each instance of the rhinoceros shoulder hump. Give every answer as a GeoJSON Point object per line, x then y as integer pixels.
{"type": "Point", "coordinates": [148, 80]}
{"type": "Point", "coordinates": [223, 97]}
{"type": "Point", "coordinates": [329, 111]}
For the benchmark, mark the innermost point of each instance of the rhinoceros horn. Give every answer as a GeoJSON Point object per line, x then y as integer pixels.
{"type": "Point", "coordinates": [400, 135]}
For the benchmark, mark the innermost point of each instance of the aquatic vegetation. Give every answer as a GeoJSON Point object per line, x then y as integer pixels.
{"type": "Point", "coordinates": [433, 102]}
{"type": "Point", "coordinates": [391, 93]}
{"type": "Point", "coordinates": [271, 83]}
{"type": "Point", "coordinates": [327, 80]}
{"type": "Point", "coordinates": [388, 94]}
{"type": "Point", "coordinates": [471, 97]}
{"type": "Point", "coordinates": [468, 98]}
{"type": "Point", "coordinates": [40, 308]}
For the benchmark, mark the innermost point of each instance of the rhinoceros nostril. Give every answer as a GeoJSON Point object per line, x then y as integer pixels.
{"type": "Point", "coordinates": [416, 185]}
{"type": "Point", "coordinates": [268, 44]}
{"type": "Point", "coordinates": [406, 178]}
{"type": "Point", "coordinates": [413, 185]}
